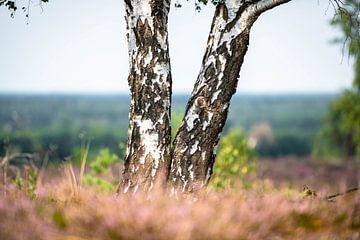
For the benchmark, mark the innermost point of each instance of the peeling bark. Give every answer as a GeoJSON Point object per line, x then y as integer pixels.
{"type": "Point", "coordinates": [206, 112]}
{"type": "Point", "coordinates": [149, 134]}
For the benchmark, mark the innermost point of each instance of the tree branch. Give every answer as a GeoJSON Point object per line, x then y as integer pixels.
{"type": "Point", "coordinates": [8, 159]}
{"type": "Point", "coordinates": [331, 197]}
{"type": "Point", "coordinates": [264, 5]}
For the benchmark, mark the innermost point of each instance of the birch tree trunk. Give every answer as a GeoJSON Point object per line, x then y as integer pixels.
{"type": "Point", "coordinates": [206, 112]}
{"type": "Point", "coordinates": [148, 157]}
{"type": "Point", "coordinates": [149, 134]}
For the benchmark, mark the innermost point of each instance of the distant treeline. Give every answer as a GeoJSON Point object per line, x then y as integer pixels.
{"type": "Point", "coordinates": [280, 124]}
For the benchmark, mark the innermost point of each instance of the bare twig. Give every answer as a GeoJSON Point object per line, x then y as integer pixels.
{"type": "Point", "coordinates": [331, 197]}
{"type": "Point", "coordinates": [8, 159]}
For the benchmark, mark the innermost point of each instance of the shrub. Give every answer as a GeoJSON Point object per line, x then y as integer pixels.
{"type": "Point", "coordinates": [235, 161]}
{"type": "Point", "coordinates": [98, 168]}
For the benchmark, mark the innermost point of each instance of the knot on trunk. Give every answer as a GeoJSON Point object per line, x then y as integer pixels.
{"type": "Point", "coordinates": [201, 103]}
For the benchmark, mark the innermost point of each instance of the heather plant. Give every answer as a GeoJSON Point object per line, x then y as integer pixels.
{"type": "Point", "coordinates": [235, 161]}
{"type": "Point", "coordinates": [20, 218]}
{"type": "Point", "coordinates": [260, 212]}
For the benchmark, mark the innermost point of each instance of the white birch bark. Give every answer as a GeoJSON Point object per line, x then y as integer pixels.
{"type": "Point", "coordinates": [206, 112]}
{"type": "Point", "coordinates": [149, 136]}
{"type": "Point", "coordinates": [148, 151]}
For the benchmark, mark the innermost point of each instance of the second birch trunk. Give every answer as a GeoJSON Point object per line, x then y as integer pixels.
{"type": "Point", "coordinates": [206, 112]}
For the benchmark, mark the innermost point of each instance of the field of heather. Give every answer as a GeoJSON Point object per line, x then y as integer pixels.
{"type": "Point", "coordinates": [184, 120]}
{"type": "Point", "coordinates": [273, 208]}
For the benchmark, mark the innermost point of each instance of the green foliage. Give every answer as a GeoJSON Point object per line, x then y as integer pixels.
{"type": "Point", "coordinates": [343, 123]}
{"type": "Point", "coordinates": [342, 129]}
{"type": "Point", "coordinates": [35, 122]}
{"type": "Point", "coordinates": [285, 145]}
{"type": "Point", "coordinates": [28, 183]}
{"type": "Point", "coordinates": [59, 219]}
{"type": "Point", "coordinates": [103, 161]}
{"type": "Point", "coordinates": [98, 168]}
{"type": "Point", "coordinates": [348, 19]}
{"type": "Point", "coordinates": [235, 161]}
{"type": "Point", "coordinates": [104, 185]}
{"type": "Point", "coordinates": [175, 123]}
{"type": "Point", "coordinates": [324, 148]}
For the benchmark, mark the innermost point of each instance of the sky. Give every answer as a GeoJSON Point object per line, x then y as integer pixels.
{"type": "Point", "coordinates": [80, 47]}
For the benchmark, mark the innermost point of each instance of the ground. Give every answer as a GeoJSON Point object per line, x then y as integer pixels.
{"type": "Point", "coordinates": [274, 208]}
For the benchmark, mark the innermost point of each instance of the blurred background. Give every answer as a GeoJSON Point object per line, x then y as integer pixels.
{"type": "Point", "coordinates": [63, 81]}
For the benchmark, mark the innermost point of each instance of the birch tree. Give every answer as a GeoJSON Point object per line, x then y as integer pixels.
{"type": "Point", "coordinates": [186, 164]}
{"type": "Point", "coordinates": [149, 136]}
{"type": "Point", "coordinates": [193, 154]}
{"type": "Point", "coordinates": [206, 112]}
